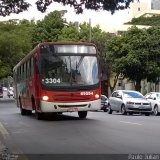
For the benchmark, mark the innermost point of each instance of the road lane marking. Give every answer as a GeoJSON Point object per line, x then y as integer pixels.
{"type": "Point", "coordinates": [3, 131]}
{"type": "Point", "coordinates": [131, 123]}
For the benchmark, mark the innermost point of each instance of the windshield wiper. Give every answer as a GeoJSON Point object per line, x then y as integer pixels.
{"type": "Point", "coordinates": [79, 63]}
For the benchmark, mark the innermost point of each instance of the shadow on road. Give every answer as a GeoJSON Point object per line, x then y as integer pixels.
{"type": "Point", "coordinates": [56, 117]}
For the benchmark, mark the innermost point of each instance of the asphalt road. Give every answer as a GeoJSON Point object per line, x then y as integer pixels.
{"type": "Point", "coordinates": [100, 133]}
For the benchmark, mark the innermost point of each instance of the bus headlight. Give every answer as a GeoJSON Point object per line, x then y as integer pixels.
{"type": "Point", "coordinates": [97, 96]}
{"type": "Point", "coordinates": [45, 98]}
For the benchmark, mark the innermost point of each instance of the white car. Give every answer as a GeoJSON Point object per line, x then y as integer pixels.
{"type": "Point", "coordinates": [4, 88]}
{"type": "Point", "coordinates": [10, 93]}
{"type": "Point", "coordinates": [129, 101]}
{"type": "Point", "coordinates": [154, 98]}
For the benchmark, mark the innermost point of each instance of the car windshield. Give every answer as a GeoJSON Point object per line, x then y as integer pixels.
{"type": "Point", "coordinates": [104, 98]}
{"type": "Point", "coordinates": [158, 95]}
{"type": "Point", "coordinates": [132, 95]}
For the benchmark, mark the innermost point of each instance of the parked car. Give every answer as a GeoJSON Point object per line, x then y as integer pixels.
{"type": "Point", "coordinates": [4, 88]}
{"type": "Point", "coordinates": [129, 101]}
{"type": "Point", "coordinates": [1, 92]}
{"type": "Point", "coordinates": [154, 98]}
{"type": "Point", "coordinates": [104, 103]}
{"type": "Point", "coordinates": [10, 92]}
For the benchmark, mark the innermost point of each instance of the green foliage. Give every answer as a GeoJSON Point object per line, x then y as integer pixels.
{"type": "Point", "coordinates": [69, 33]}
{"type": "Point", "coordinates": [15, 42]}
{"type": "Point", "coordinates": [135, 54]}
{"type": "Point", "coordinates": [49, 28]}
{"type": "Point", "coordinates": [5, 69]}
{"type": "Point", "coordinates": [148, 21]}
{"type": "Point", "coordinates": [16, 6]}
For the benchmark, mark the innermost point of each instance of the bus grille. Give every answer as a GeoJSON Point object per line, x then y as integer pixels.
{"type": "Point", "coordinates": [71, 98]}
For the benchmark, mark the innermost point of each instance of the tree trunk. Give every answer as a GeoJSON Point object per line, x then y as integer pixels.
{"type": "Point", "coordinates": [111, 89]}
{"type": "Point", "coordinates": [138, 85]}
{"type": "Point", "coordinates": [114, 81]}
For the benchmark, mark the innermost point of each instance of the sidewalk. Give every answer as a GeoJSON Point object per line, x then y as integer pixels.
{"type": "Point", "coordinates": [4, 153]}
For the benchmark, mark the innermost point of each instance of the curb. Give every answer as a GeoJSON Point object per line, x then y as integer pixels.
{"type": "Point", "coordinates": [7, 100]}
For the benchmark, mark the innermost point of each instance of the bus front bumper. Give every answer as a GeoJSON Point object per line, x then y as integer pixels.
{"type": "Point", "coordinates": [70, 107]}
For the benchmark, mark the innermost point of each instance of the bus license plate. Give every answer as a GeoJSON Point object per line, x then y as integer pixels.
{"type": "Point", "coordinates": [72, 109]}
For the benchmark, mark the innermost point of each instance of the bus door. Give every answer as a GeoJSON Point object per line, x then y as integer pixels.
{"type": "Point", "coordinates": [1, 92]}
{"type": "Point", "coordinates": [36, 82]}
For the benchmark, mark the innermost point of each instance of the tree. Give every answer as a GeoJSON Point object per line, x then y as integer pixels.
{"type": "Point", "coordinates": [134, 53]}
{"type": "Point", "coordinates": [16, 6]}
{"type": "Point", "coordinates": [70, 32]}
{"type": "Point", "coordinates": [113, 46]}
{"type": "Point", "coordinates": [149, 21]}
{"type": "Point", "coordinates": [49, 28]}
{"type": "Point", "coordinates": [153, 61]}
{"type": "Point", "coordinates": [15, 42]}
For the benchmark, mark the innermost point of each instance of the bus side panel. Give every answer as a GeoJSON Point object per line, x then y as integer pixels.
{"type": "Point", "coordinates": [15, 94]}
{"type": "Point", "coordinates": [36, 85]}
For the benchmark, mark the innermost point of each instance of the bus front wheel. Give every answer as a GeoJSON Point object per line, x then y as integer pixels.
{"type": "Point", "coordinates": [82, 114]}
{"type": "Point", "coordinates": [23, 111]}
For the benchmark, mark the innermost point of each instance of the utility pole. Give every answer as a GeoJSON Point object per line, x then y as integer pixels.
{"type": "Point", "coordinates": [90, 32]}
{"type": "Point", "coordinates": [77, 26]}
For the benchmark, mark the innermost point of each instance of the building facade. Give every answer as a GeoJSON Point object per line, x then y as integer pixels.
{"type": "Point", "coordinates": [155, 5]}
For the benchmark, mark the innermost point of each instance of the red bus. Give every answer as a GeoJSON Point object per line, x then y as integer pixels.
{"type": "Point", "coordinates": [58, 77]}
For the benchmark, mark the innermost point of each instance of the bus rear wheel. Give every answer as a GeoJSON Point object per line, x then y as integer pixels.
{"type": "Point", "coordinates": [23, 111]}
{"type": "Point", "coordinates": [82, 114]}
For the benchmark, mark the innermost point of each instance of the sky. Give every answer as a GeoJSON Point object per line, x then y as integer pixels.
{"type": "Point", "coordinates": [104, 19]}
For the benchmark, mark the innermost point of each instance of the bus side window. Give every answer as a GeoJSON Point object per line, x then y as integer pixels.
{"type": "Point", "coordinates": [37, 67]}
{"type": "Point", "coordinates": [20, 73]}
{"type": "Point", "coordinates": [23, 71]}
{"type": "Point", "coordinates": [29, 68]}
{"type": "Point", "coordinates": [32, 67]}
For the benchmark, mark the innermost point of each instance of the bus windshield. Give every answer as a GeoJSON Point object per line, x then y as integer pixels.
{"type": "Point", "coordinates": [68, 66]}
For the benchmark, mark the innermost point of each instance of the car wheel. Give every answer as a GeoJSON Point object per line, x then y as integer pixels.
{"type": "Point", "coordinates": [82, 114]}
{"type": "Point", "coordinates": [109, 109]}
{"type": "Point", "coordinates": [123, 110]}
{"type": "Point", "coordinates": [147, 114]}
{"type": "Point", "coordinates": [105, 110]}
{"type": "Point", "coordinates": [130, 113]}
{"type": "Point", "coordinates": [155, 111]}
